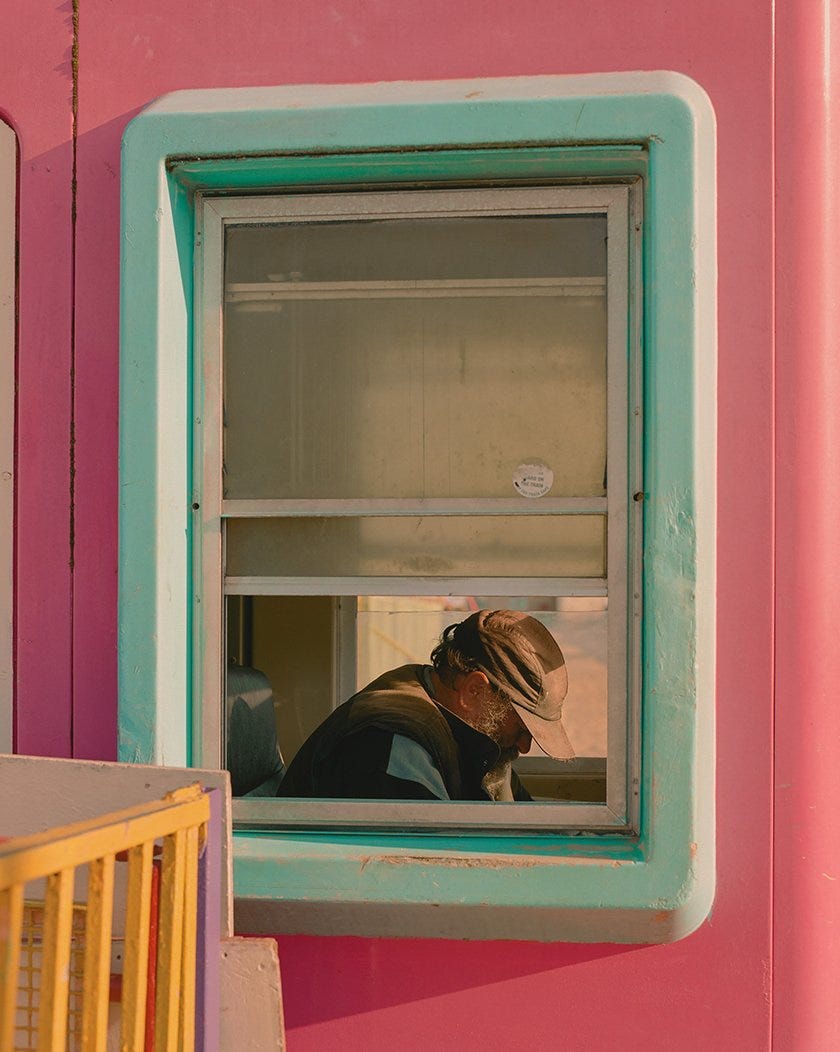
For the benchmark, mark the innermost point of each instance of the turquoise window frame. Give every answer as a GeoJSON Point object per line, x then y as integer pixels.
{"type": "Point", "coordinates": [654, 887]}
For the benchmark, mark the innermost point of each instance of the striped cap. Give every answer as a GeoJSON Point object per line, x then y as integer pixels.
{"type": "Point", "coordinates": [521, 658]}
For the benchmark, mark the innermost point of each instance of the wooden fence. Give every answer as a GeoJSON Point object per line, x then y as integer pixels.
{"type": "Point", "coordinates": [167, 835]}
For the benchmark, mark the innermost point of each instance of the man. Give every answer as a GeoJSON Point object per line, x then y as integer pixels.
{"type": "Point", "coordinates": [449, 730]}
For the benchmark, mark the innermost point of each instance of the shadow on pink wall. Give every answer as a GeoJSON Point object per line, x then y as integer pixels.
{"type": "Point", "coordinates": [363, 975]}
{"type": "Point", "coordinates": [96, 371]}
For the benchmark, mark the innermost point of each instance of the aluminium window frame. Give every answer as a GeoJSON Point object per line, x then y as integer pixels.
{"type": "Point", "coordinates": [620, 204]}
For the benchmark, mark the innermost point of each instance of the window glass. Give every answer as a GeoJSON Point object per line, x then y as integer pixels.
{"type": "Point", "coordinates": [415, 249]}
{"type": "Point", "coordinates": [429, 546]}
{"type": "Point", "coordinates": [415, 404]}
{"type": "Point", "coordinates": [380, 360]}
{"type": "Point", "coordinates": [296, 643]}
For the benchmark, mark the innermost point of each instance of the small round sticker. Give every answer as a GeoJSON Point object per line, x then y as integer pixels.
{"type": "Point", "coordinates": [533, 479]}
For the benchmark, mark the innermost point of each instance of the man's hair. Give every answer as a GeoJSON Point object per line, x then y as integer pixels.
{"type": "Point", "coordinates": [460, 652]}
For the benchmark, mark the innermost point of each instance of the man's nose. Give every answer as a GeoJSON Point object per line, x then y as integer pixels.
{"type": "Point", "coordinates": [523, 742]}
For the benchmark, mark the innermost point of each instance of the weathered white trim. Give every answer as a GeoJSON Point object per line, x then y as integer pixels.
{"type": "Point", "coordinates": [504, 819]}
{"type": "Point", "coordinates": [250, 1001]}
{"type": "Point", "coordinates": [620, 355]}
{"type": "Point", "coordinates": [264, 292]}
{"type": "Point", "coordinates": [8, 195]}
{"type": "Point", "coordinates": [316, 508]}
{"type": "Point", "coordinates": [530, 89]}
{"type": "Point", "coordinates": [413, 204]}
{"type": "Point", "coordinates": [208, 727]}
{"type": "Point", "coordinates": [559, 586]}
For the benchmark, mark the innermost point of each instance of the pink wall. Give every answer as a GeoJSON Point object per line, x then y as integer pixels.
{"type": "Point", "coordinates": [35, 98]}
{"type": "Point", "coordinates": [713, 988]}
{"type": "Point", "coordinates": [807, 842]}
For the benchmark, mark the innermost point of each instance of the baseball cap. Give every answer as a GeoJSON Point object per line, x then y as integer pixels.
{"type": "Point", "coordinates": [521, 658]}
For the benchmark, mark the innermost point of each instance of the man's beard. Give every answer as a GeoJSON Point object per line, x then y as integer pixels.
{"type": "Point", "coordinates": [490, 719]}
{"type": "Point", "coordinates": [496, 781]}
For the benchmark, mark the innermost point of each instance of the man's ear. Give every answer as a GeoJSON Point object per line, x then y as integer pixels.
{"type": "Point", "coordinates": [473, 690]}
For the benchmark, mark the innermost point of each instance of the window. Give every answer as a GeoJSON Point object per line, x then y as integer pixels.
{"type": "Point", "coordinates": [284, 248]}
{"type": "Point", "coordinates": [413, 397]}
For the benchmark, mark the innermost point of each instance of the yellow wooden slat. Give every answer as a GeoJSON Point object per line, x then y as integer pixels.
{"type": "Point", "coordinates": [11, 924]}
{"type": "Point", "coordinates": [170, 941]}
{"type": "Point", "coordinates": [176, 796]}
{"type": "Point", "coordinates": [97, 966]}
{"type": "Point", "coordinates": [184, 793]}
{"type": "Point", "coordinates": [55, 961]}
{"type": "Point", "coordinates": [188, 969]}
{"type": "Point", "coordinates": [29, 858]}
{"type": "Point", "coordinates": [178, 820]}
{"type": "Point", "coordinates": [136, 964]}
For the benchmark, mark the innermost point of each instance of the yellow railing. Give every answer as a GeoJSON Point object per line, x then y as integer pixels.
{"type": "Point", "coordinates": [176, 825]}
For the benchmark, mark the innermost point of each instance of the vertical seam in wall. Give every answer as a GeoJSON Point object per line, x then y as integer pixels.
{"type": "Point", "coordinates": [15, 452]}
{"type": "Point", "coordinates": [773, 139]}
{"type": "Point", "coordinates": [12, 520]}
{"type": "Point", "coordinates": [74, 124]}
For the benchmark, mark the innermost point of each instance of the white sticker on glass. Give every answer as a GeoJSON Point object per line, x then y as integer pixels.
{"type": "Point", "coordinates": [533, 479]}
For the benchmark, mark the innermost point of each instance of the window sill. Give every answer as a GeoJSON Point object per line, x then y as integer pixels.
{"type": "Point", "coordinates": [552, 889]}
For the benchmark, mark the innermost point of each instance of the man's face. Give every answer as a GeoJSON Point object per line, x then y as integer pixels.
{"type": "Point", "coordinates": [512, 736]}
{"type": "Point", "coordinates": [477, 703]}
{"type": "Point", "coordinates": [496, 717]}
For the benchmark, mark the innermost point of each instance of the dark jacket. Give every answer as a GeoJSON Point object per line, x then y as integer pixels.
{"type": "Point", "coordinates": [350, 754]}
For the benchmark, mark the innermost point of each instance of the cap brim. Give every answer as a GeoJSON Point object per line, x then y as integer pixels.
{"type": "Point", "coordinates": [550, 735]}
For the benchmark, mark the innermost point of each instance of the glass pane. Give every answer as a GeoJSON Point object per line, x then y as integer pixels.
{"type": "Point", "coordinates": [387, 391]}
{"type": "Point", "coordinates": [293, 659]}
{"type": "Point", "coordinates": [431, 546]}
{"type": "Point", "coordinates": [289, 640]}
{"type": "Point", "coordinates": [419, 249]}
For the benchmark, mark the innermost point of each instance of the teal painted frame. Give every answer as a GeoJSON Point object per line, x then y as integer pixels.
{"type": "Point", "coordinates": [653, 888]}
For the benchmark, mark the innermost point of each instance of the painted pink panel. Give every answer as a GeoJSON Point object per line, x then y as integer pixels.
{"type": "Point", "coordinates": [807, 871]}
{"type": "Point", "coordinates": [35, 95]}
{"type": "Point", "coordinates": [97, 407]}
{"type": "Point", "coordinates": [376, 994]}
{"type": "Point", "coordinates": [362, 995]}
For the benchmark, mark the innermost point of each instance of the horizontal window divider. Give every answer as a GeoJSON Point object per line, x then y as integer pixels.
{"type": "Point", "coordinates": [578, 765]}
{"type": "Point", "coordinates": [260, 292]}
{"type": "Point", "coordinates": [284, 813]}
{"type": "Point", "coordinates": [436, 204]}
{"type": "Point", "coordinates": [322, 508]}
{"type": "Point", "coordinates": [489, 586]}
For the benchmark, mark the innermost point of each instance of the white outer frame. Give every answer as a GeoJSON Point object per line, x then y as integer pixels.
{"type": "Point", "coordinates": [619, 203]}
